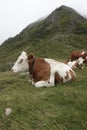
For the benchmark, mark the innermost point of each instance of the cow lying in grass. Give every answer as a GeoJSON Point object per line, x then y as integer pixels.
{"type": "Point", "coordinates": [77, 54]}
{"type": "Point", "coordinates": [43, 71]}
{"type": "Point", "coordinates": [77, 64]}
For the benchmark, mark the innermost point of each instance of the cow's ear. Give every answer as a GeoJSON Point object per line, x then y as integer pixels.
{"type": "Point", "coordinates": [31, 57]}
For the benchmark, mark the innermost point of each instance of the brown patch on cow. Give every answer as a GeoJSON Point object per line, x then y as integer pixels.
{"type": "Point", "coordinates": [67, 75]}
{"type": "Point", "coordinates": [76, 65]}
{"type": "Point", "coordinates": [73, 76]}
{"type": "Point", "coordinates": [39, 68]}
{"type": "Point", "coordinates": [58, 78]}
{"type": "Point", "coordinates": [76, 54]}
{"type": "Point", "coordinates": [31, 57]}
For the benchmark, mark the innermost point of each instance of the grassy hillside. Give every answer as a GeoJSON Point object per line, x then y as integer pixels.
{"type": "Point", "coordinates": [56, 36]}
{"type": "Point", "coordinates": [63, 107]}
{"type": "Point", "coordinates": [57, 46]}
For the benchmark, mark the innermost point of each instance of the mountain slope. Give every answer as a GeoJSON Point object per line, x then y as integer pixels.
{"type": "Point", "coordinates": [63, 19]}
{"type": "Point", "coordinates": [63, 31]}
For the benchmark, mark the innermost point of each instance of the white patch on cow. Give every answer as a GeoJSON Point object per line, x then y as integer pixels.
{"type": "Point", "coordinates": [21, 65]}
{"type": "Point", "coordinates": [72, 64]}
{"type": "Point", "coordinates": [59, 67]}
{"type": "Point", "coordinates": [80, 60]}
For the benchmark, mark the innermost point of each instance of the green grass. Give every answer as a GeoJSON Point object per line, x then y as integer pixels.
{"type": "Point", "coordinates": [63, 107]}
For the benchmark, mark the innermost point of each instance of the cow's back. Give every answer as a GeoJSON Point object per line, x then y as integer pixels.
{"type": "Point", "coordinates": [62, 72]}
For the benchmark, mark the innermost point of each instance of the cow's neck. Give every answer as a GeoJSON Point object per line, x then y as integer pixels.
{"type": "Point", "coordinates": [31, 66]}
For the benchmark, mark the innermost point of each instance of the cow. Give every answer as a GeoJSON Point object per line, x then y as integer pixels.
{"type": "Point", "coordinates": [77, 64]}
{"type": "Point", "coordinates": [76, 54]}
{"type": "Point", "coordinates": [43, 71]}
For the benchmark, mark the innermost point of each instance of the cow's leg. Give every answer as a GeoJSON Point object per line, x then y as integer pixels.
{"type": "Point", "coordinates": [47, 83]}
{"type": "Point", "coordinates": [43, 84]}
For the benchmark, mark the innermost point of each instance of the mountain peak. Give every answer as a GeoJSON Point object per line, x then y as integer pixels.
{"type": "Point", "coordinates": [64, 7]}
{"type": "Point", "coordinates": [64, 10]}
{"type": "Point", "coordinates": [67, 9]}
{"type": "Point", "coordinates": [64, 18]}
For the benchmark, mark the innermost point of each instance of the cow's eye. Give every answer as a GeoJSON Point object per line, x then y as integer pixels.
{"type": "Point", "coordinates": [20, 61]}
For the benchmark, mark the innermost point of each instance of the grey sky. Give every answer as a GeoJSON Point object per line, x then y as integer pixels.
{"type": "Point", "coordinates": [15, 15]}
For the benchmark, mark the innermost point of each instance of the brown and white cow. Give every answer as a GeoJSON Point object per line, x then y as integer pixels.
{"type": "Point", "coordinates": [43, 71]}
{"type": "Point", "coordinates": [76, 54]}
{"type": "Point", "coordinates": [77, 64]}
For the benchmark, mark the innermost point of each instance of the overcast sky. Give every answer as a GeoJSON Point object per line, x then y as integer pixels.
{"type": "Point", "coordinates": [15, 15]}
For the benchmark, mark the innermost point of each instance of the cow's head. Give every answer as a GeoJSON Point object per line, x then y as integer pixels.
{"type": "Point", "coordinates": [21, 65]}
